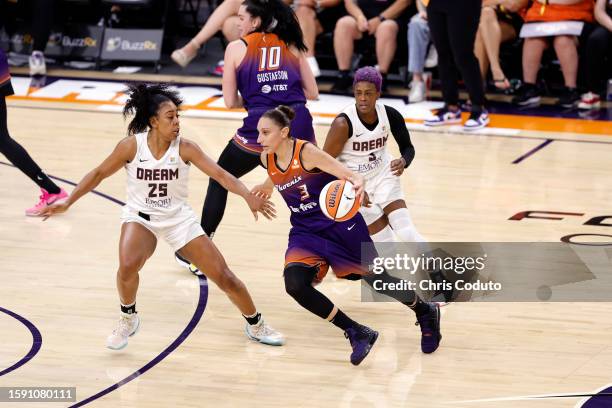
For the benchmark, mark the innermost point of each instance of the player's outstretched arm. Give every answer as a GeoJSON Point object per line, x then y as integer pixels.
{"type": "Point", "coordinates": [124, 152]}
{"type": "Point", "coordinates": [191, 152]}
{"type": "Point", "coordinates": [313, 157]}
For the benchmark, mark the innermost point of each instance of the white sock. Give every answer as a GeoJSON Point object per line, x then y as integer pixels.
{"type": "Point", "coordinates": [384, 235]}
{"type": "Point", "coordinates": [402, 225]}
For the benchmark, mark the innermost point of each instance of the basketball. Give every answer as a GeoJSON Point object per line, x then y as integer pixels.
{"type": "Point", "coordinates": [337, 200]}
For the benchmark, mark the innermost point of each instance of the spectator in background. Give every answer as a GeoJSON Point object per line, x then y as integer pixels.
{"type": "Point", "coordinates": [42, 19]}
{"type": "Point", "coordinates": [379, 18]}
{"type": "Point", "coordinates": [598, 47]}
{"type": "Point", "coordinates": [559, 22]}
{"type": "Point", "coordinates": [419, 40]}
{"type": "Point", "coordinates": [453, 26]}
{"type": "Point", "coordinates": [499, 22]}
{"type": "Point", "coordinates": [316, 17]}
{"type": "Point", "coordinates": [224, 18]}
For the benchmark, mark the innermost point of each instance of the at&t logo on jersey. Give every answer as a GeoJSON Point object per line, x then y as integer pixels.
{"type": "Point", "coordinates": [266, 89]}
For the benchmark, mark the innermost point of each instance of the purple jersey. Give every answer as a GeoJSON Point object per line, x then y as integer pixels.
{"type": "Point", "coordinates": [5, 78]}
{"type": "Point", "coordinates": [268, 76]}
{"type": "Point", "coordinates": [315, 240]}
{"type": "Point", "coordinates": [300, 189]}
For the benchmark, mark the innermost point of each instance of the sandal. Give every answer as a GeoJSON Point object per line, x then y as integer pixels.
{"type": "Point", "coordinates": [181, 58]}
{"type": "Point", "coordinates": [505, 84]}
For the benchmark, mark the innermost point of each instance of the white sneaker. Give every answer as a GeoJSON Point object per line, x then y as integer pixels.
{"type": "Point", "coordinates": [37, 64]}
{"type": "Point", "coordinates": [127, 326]}
{"type": "Point", "coordinates": [476, 121]}
{"type": "Point", "coordinates": [265, 334]}
{"type": "Point", "coordinates": [432, 57]}
{"type": "Point", "coordinates": [417, 92]}
{"type": "Point", "coordinates": [314, 66]}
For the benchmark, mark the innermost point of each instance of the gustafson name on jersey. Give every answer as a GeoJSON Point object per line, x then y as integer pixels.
{"type": "Point", "coordinates": [280, 75]}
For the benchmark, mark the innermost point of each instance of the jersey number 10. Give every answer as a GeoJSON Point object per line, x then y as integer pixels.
{"type": "Point", "coordinates": [269, 58]}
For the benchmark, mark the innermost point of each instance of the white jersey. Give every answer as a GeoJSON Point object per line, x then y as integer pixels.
{"type": "Point", "coordinates": [365, 150]}
{"type": "Point", "coordinates": [156, 187]}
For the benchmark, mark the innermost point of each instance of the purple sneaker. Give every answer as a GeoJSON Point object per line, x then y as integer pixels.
{"type": "Point", "coordinates": [444, 116]}
{"type": "Point", "coordinates": [430, 328]}
{"type": "Point", "coordinates": [362, 339]}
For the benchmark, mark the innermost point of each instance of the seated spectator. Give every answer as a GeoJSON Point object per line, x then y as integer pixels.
{"type": "Point", "coordinates": [499, 22]}
{"type": "Point", "coordinates": [378, 18]}
{"type": "Point", "coordinates": [598, 46]}
{"type": "Point", "coordinates": [316, 17]}
{"type": "Point", "coordinates": [559, 22]}
{"type": "Point", "coordinates": [224, 18]}
{"type": "Point", "coordinates": [419, 40]}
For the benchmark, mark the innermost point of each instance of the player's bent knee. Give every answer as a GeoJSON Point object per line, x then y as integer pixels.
{"type": "Point", "coordinates": [297, 279]}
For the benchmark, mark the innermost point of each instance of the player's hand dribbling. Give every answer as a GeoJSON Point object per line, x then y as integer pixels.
{"type": "Point", "coordinates": [260, 204]}
{"type": "Point", "coordinates": [54, 209]}
{"type": "Point", "coordinates": [359, 186]}
{"type": "Point", "coordinates": [397, 166]}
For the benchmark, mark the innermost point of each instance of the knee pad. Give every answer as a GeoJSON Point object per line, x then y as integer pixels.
{"type": "Point", "coordinates": [402, 225]}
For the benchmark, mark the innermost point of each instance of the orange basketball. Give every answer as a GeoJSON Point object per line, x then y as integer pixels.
{"type": "Point", "coordinates": [337, 200]}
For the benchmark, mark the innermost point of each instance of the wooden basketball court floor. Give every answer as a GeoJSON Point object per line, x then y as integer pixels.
{"type": "Point", "coordinates": [191, 351]}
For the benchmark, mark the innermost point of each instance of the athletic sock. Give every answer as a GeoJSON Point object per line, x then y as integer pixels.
{"type": "Point", "coordinates": [343, 321]}
{"type": "Point", "coordinates": [253, 319]}
{"type": "Point", "coordinates": [419, 307]}
{"type": "Point", "coordinates": [128, 309]}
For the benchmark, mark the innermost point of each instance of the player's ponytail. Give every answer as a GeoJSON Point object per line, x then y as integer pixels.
{"type": "Point", "coordinates": [144, 101]}
{"type": "Point", "coordinates": [281, 115]}
{"type": "Point", "coordinates": [278, 18]}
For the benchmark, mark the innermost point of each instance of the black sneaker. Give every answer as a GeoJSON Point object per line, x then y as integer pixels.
{"type": "Point", "coordinates": [527, 95]}
{"type": "Point", "coordinates": [430, 328]}
{"type": "Point", "coordinates": [362, 338]}
{"type": "Point", "coordinates": [569, 98]}
{"type": "Point", "coordinates": [342, 85]}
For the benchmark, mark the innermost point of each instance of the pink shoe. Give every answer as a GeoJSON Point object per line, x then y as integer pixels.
{"type": "Point", "coordinates": [45, 200]}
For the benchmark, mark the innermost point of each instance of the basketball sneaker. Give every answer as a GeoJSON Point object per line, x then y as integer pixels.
{"type": "Point", "coordinates": [589, 100]}
{"type": "Point", "coordinates": [45, 200]}
{"type": "Point", "coordinates": [264, 333]}
{"type": "Point", "coordinates": [127, 326]}
{"type": "Point", "coordinates": [477, 120]}
{"type": "Point", "coordinates": [444, 116]}
{"type": "Point", "coordinates": [362, 338]}
{"type": "Point", "coordinates": [527, 95]}
{"type": "Point", "coordinates": [186, 264]}
{"type": "Point", "coordinates": [37, 64]}
{"type": "Point", "coordinates": [430, 328]}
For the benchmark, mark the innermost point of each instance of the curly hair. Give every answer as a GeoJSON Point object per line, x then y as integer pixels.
{"type": "Point", "coordinates": [144, 101]}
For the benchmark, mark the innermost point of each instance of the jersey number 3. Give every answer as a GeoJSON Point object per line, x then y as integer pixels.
{"type": "Point", "coordinates": [269, 58]}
